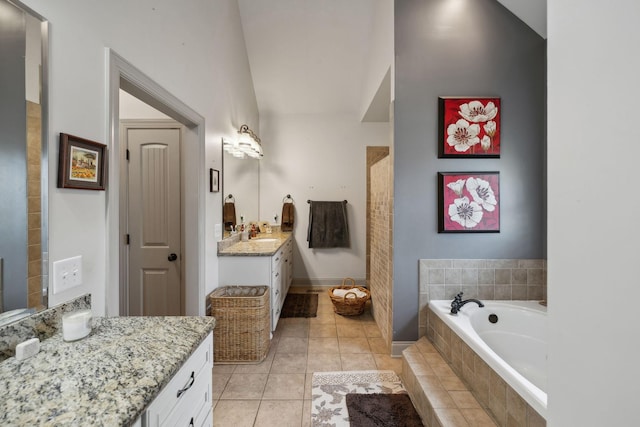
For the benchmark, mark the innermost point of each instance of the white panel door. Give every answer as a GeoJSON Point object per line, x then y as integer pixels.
{"type": "Point", "coordinates": [154, 222]}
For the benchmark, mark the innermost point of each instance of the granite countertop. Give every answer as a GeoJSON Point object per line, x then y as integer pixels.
{"type": "Point", "coordinates": [256, 246]}
{"type": "Point", "coordinates": [105, 379]}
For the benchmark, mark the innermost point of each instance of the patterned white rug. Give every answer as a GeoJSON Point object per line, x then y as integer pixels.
{"type": "Point", "coordinates": [329, 390]}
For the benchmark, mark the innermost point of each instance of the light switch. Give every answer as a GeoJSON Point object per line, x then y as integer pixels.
{"type": "Point", "coordinates": [217, 230]}
{"type": "Point", "coordinates": [67, 273]}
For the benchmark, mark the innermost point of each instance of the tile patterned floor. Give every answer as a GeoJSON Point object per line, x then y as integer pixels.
{"type": "Point", "coordinates": [277, 392]}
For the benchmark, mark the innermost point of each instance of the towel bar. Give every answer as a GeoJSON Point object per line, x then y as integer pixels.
{"type": "Point", "coordinates": [344, 201]}
{"type": "Point", "coordinates": [287, 199]}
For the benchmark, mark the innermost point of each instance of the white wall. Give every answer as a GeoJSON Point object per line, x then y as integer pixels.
{"type": "Point", "coordinates": [193, 49]}
{"type": "Point", "coordinates": [132, 108]}
{"type": "Point", "coordinates": [593, 236]}
{"type": "Point", "coordinates": [319, 157]}
{"type": "Point", "coordinates": [380, 55]}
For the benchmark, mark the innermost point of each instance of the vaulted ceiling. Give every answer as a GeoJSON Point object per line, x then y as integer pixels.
{"type": "Point", "coordinates": [310, 56]}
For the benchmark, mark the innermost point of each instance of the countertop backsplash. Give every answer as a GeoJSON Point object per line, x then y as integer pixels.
{"type": "Point", "coordinates": [42, 325]}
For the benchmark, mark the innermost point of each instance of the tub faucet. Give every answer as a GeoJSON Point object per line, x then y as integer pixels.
{"type": "Point", "coordinates": [457, 303]}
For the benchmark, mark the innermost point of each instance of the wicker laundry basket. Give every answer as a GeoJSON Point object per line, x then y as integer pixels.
{"type": "Point", "coordinates": [349, 304]}
{"type": "Point", "coordinates": [242, 332]}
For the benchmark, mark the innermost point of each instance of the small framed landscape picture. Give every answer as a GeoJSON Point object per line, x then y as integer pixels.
{"type": "Point", "coordinates": [468, 202]}
{"type": "Point", "coordinates": [81, 163]}
{"type": "Point", "coordinates": [468, 127]}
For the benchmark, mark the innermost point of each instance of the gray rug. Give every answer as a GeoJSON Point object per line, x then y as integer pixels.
{"type": "Point", "coordinates": [382, 410]}
{"type": "Point", "coordinates": [300, 305]}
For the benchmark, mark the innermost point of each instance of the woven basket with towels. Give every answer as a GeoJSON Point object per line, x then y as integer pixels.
{"type": "Point", "coordinates": [349, 299]}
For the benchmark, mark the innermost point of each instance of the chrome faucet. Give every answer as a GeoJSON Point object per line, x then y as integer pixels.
{"type": "Point", "coordinates": [457, 303]}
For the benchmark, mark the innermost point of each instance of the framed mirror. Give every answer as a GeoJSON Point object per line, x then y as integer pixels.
{"type": "Point", "coordinates": [23, 159]}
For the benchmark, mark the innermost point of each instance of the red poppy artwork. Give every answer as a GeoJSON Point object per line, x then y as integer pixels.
{"type": "Point", "coordinates": [468, 127]}
{"type": "Point", "coordinates": [468, 202]}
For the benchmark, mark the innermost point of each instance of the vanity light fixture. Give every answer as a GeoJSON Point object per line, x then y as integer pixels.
{"type": "Point", "coordinates": [247, 144]}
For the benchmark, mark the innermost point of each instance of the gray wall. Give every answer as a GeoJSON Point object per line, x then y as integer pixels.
{"type": "Point", "coordinates": [464, 48]}
{"type": "Point", "coordinates": [13, 161]}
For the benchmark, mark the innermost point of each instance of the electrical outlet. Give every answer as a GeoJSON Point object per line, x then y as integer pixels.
{"type": "Point", "coordinates": [217, 231]}
{"type": "Point", "coordinates": [67, 273]}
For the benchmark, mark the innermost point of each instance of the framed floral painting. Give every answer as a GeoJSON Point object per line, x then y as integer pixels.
{"type": "Point", "coordinates": [468, 202]}
{"type": "Point", "coordinates": [468, 127]}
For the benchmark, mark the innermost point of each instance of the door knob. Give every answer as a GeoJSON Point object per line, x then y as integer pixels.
{"type": "Point", "coordinates": [172, 257]}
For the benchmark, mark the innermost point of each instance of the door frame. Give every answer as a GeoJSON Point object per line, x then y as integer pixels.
{"type": "Point", "coordinates": [125, 125]}
{"type": "Point", "coordinates": [123, 75]}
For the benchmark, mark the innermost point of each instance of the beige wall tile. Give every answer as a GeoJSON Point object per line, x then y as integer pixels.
{"type": "Point", "coordinates": [477, 418]}
{"type": "Point", "coordinates": [503, 276]}
{"type": "Point", "coordinates": [519, 276]}
{"type": "Point", "coordinates": [453, 276]}
{"type": "Point", "coordinates": [435, 276]}
{"type": "Point", "coordinates": [469, 276]}
{"type": "Point", "coordinates": [534, 276]}
{"type": "Point", "coordinates": [450, 417]}
{"type": "Point", "coordinates": [464, 399]}
{"type": "Point", "coordinates": [516, 407]}
{"type": "Point", "coordinates": [486, 276]}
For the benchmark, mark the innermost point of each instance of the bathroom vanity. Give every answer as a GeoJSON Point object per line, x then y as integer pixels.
{"type": "Point", "coordinates": [141, 371]}
{"type": "Point", "coordinates": [266, 260]}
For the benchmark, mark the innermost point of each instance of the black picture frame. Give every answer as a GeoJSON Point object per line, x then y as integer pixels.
{"type": "Point", "coordinates": [483, 128]}
{"type": "Point", "coordinates": [469, 202]}
{"type": "Point", "coordinates": [214, 180]}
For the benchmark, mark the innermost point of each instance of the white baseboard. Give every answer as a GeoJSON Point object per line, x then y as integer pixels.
{"type": "Point", "coordinates": [327, 282]}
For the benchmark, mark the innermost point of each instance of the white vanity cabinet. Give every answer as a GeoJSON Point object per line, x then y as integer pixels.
{"type": "Point", "coordinates": [186, 399]}
{"type": "Point", "coordinates": [274, 271]}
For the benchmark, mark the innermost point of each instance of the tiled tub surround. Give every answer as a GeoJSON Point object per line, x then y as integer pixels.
{"type": "Point", "coordinates": [439, 396]}
{"type": "Point", "coordinates": [42, 325]}
{"type": "Point", "coordinates": [108, 378]}
{"type": "Point", "coordinates": [485, 279]}
{"type": "Point", "coordinates": [503, 403]}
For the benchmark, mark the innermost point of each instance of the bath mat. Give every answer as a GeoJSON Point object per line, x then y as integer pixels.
{"type": "Point", "coordinates": [300, 305]}
{"type": "Point", "coordinates": [382, 410]}
{"type": "Point", "coordinates": [329, 391]}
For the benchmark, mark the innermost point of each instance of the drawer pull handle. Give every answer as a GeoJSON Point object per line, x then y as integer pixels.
{"type": "Point", "coordinates": [277, 259]}
{"type": "Point", "coordinates": [277, 274]}
{"type": "Point", "coordinates": [188, 386]}
{"type": "Point", "coordinates": [191, 422]}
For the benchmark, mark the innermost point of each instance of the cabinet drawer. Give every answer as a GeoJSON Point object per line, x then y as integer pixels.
{"type": "Point", "coordinates": [194, 375]}
{"type": "Point", "coordinates": [277, 259]}
{"type": "Point", "coordinates": [276, 294]}
{"type": "Point", "coordinates": [191, 411]}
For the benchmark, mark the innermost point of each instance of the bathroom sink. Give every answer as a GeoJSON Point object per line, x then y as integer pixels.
{"type": "Point", "coordinates": [264, 240]}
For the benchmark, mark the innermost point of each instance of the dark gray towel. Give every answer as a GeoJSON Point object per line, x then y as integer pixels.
{"type": "Point", "coordinates": [328, 227]}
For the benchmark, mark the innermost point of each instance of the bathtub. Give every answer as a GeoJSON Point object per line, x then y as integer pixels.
{"type": "Point", "coordinates": [515, 346]}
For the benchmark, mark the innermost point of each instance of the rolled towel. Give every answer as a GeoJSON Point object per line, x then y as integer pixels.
{"type": "Point", "coordinates": [342, 292]}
